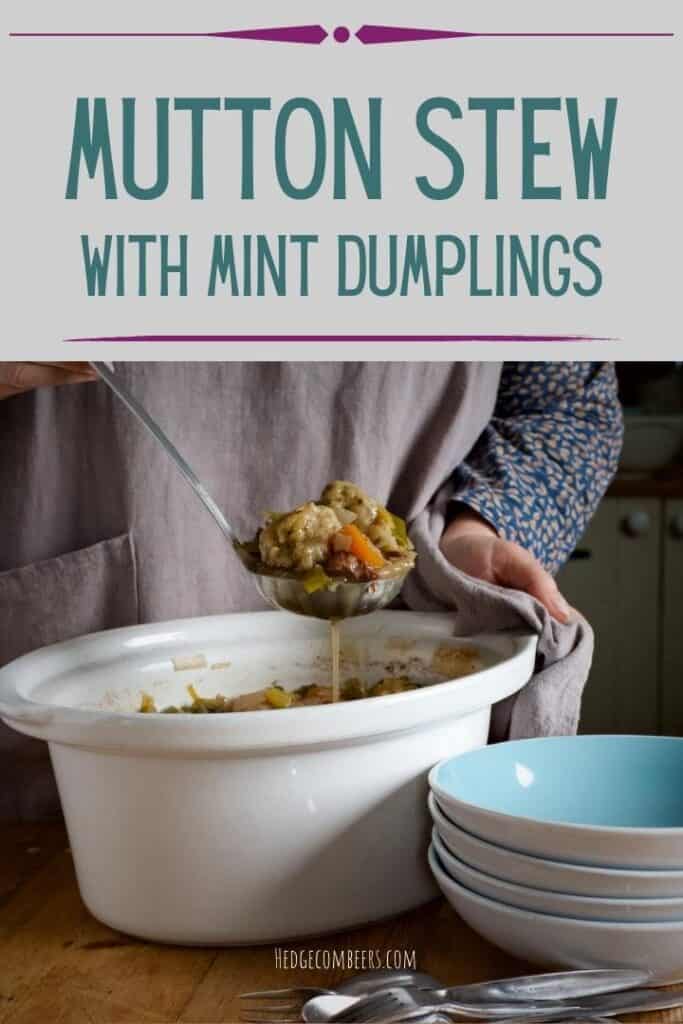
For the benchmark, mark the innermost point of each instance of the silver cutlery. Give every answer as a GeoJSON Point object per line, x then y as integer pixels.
{"type": "Point", "coordinates": [329, 1007]}
{"type": "Point", "coordinates": [638, 1000]}
{"type": "Point", "coordinates": [430, 1016]}
{"type": "Point", "coordinates": [274, 1004]}
{"type": "Point", "coordinates": [271, 1004]}
{"type": "Point", "coordinates": [413, 1004]}
{"type": "Point", "coordinates": [565, 984]}
{"type": "Point", "coordinates": [557, 985]}
{"type": "Point", "coordinates": [417, 1003]}
{"type": "Point", "coordinates": [442, 1017]}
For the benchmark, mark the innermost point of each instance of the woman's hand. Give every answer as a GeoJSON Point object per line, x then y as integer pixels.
{"type": "Point", "coordinates": [16, 378]}
{"type": "Point", "coordinates": [470, 544]}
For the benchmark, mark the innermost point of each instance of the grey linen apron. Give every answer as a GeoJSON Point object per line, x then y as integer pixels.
{"type": "Point", "coordinates": [99, 531]}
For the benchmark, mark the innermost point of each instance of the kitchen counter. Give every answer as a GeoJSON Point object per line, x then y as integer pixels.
{"type": "Point", "coordinates": [58, 964]}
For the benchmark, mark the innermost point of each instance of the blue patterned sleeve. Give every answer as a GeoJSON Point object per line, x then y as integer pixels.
{"type": "Point", "coordinates": [545, 460]}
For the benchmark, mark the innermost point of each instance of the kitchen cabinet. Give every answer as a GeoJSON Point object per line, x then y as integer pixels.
{"type": "Point", "coordinates": [672, 620]}
{"type": "Point", "coordinates": [614, 579]}
{"type": "Point", "coordinates": [626, 576]}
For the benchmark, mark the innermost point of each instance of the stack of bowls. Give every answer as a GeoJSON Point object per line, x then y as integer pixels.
{"type": "Point", "coordinates": [567, 850]}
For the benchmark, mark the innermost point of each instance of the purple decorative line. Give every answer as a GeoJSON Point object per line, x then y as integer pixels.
{"type": "Point", "coordinates": [317, 34]}
{"type": "Point", "coordinates": [311, 34]}
{"type": "Point", "coordinates": [338, 337]}
{"type": "Point", "coordinates": [373, 34]}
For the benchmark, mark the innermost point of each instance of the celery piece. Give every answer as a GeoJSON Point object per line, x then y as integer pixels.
{"type": "Point", "coordinates": [316, 579]}
{"type": "Point", "coordinates": [399, 530]}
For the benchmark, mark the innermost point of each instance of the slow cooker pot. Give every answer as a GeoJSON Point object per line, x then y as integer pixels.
{"type": "Point", "coordinates": [255, 826]}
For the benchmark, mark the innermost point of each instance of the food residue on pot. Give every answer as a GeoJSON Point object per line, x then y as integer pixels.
{"type": "Point", "coordinates": [400, 676]}
{"type": "Point", "coordinates": [183, 663]}
{"type": "Point", "coordinates": [275, 697]}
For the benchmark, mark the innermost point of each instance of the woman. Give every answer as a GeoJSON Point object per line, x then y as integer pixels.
{"type": "Point", "coordinates": [100, 531]}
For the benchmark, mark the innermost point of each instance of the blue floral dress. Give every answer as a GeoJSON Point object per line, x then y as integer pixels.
{"type": "Point", "coordinates": [546, 458]}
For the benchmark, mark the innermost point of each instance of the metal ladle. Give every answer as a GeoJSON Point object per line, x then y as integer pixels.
{"type": "Point", "coordinates": [339, 601]}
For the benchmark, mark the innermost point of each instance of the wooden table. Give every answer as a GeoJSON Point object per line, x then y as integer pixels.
{"type": "Point", "coordinates": [58, 965]}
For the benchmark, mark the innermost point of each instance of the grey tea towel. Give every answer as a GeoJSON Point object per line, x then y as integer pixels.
{"type": "Point", "coordinates": [550, 704]}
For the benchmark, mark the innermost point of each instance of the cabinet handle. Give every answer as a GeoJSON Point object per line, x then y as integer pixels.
{"type": "Point", "coordinates": [636, 524]}
{"type": "Point", "coordinates": [676, 526]}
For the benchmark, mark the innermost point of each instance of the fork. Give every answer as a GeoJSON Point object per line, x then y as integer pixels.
{"type": "Point", "coordinates": [270, 1004]}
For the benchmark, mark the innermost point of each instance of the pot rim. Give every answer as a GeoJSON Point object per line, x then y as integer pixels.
{"type": "Point", "coordinates": [261, 731]}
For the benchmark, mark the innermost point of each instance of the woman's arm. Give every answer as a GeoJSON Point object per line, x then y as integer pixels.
{"type": "Point", "coordinates": [15, 378]}
{"type": "Point", "coordinates": [527, 490]}
{"type": "Point", "coordinates": [540, 468]}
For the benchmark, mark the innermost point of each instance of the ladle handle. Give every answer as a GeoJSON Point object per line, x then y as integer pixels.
{"type": "Point", "coordinates": [105, 371]}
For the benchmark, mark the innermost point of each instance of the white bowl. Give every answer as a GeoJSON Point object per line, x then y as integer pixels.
{"type": "Point", "coordinates": [565, 941]}
{"type": "Point", "coordinates": [256, 826]}
{"type": "Point", "coordinates": [586, 908]}
{"type": "Point", "coordinates": [614, 801]}
{"type": "Point", "coordinates": [553, 875]}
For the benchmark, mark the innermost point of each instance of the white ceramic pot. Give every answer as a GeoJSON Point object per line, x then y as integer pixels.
{"type": "Point", "coordinates": [566, 941]}
{"type": "Point", "coordinates": [553, 875]}
{"type": "Point", "coordinates": [587, 908]}
{"type": "Point", "coordinates": [258, 826]}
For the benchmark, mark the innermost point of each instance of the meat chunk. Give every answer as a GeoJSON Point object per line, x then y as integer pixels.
{"type": "Point", "coordinates": [343, 563]}
{"type": "Point", "coordinates": [314, 694]}
{"type": "Point", "coordinates": [392, 684]}
{"type": "Point", "coordinates": [256, 701]}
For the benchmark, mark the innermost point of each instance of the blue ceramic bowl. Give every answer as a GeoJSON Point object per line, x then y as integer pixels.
{"type": "Point", "coordinates": [605, 800]}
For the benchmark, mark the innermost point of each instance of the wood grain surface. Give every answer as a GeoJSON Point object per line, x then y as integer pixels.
{"type": "Point", "coordinates": [58, 965]}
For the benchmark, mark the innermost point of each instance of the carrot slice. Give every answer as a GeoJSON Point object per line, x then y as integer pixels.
{"type": "Point", "coordinates": [362, 547]}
